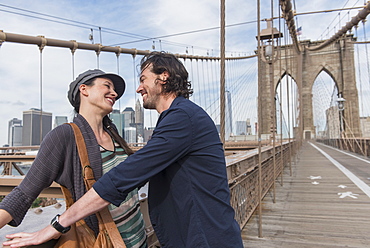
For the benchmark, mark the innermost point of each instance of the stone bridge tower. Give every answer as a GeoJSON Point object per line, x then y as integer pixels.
{"type": "Point", "coordinates": [336, 59]}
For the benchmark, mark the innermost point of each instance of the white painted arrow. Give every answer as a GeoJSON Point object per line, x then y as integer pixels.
{"type": "Point", "coordinates": [314, 177]}
{"type": "Point", "coordinates": [345, 194]}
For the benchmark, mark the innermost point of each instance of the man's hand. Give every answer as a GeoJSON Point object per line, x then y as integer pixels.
{"type": "Point", "coordinates": [24, 239]}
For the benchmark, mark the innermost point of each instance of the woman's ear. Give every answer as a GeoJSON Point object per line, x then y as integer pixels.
{"type": "Point", "coordinates": [83, 89]}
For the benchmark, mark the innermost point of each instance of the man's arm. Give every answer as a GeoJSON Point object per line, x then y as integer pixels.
{"type": "Point", "coordinates": [89, 204]}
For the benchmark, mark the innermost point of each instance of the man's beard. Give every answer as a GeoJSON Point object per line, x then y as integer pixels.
{"type": "Point", "coordinates": [151, 103]}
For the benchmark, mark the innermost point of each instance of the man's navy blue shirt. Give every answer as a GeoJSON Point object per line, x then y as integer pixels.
{"type": "Point", "coordinates": [189, 198]}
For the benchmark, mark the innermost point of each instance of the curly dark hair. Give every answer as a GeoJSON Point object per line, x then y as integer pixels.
{"type": "Point", "coordinates": [177, 82]}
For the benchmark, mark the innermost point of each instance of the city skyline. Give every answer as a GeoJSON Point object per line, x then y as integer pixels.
{"type": "Point", "coordinates": [15, 125]}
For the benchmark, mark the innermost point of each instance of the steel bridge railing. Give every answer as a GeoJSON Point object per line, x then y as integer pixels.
{"type": "Point", "coordinates": [243, 177]}
{"type": "Point", "coordinates": [242, 172]}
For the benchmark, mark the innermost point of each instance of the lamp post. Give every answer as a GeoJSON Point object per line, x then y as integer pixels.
{"type": "Point", "coordinates": [341, 101]}
{"type": "Point", "coordinates": [268, 37]}
{"type": "Point", "coordinates": [267, 54]}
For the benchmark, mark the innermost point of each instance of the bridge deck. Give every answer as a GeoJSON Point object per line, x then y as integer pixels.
{"type": "Point", "coordinates": [309, 212]}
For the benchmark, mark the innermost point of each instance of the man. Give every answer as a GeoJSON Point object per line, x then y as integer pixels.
{"type": "Point", "coordinates": [189, 198]}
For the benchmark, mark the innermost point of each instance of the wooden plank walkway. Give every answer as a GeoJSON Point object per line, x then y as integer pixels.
{"type": "Point", "coordinates": [311, 209]}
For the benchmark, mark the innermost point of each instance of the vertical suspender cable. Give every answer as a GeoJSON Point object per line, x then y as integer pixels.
{"type": "Point", "coordinates": [41, 47]}
{"type": "Point", "coordinates": [135, 78]}
{"type": "Point", "coordinates": [259, 123]}
{"type": "Point", "coordinates": [41, 134]}
{"type": "Point", "coordinates": [287, 55]}
{"type": "Point", "coordinates": [218, 80]}
{"type": "Point", "coordinates": [101, 40]}
{"type": "Point", "coordinates": [204, 83]}
{"type": "Point", "coordinates": [294, 111]}
{"type": "Point", "coordinates": [199, 85]}
{"type": "Point", "coordinates": [192, 76]}
{"type": "Point", "coordinates": [73, 50]}
{"type": "Point", "coordinates": [288, 104]}
{"type": "Point", "coordinates": [209, 84]}
{"type": "Point", "coordinates": [97, 56]}
{"type": "Point", "coordinates": [272, 97]}
{"type": "Point", "coordinates": [222, 73]}
{"type": "Point", "coordinates": [73, 65]}
{"type": "Point", "coordinates": [281, 106]}
{"type": "Point", "coordinates": [119, 100]}
{"type": "Point", "coordinates": [212, 80]}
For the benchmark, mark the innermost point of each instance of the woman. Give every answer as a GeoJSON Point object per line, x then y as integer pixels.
{"type": "Point", "coordinates": [92, 95]}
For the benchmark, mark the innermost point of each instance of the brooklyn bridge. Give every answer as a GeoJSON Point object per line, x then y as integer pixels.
{"type": "Point", "coordinates": [293, 115]}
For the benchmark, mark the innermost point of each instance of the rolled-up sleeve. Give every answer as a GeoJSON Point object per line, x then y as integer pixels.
{"type": "Point", "coordinates": [171, 140]}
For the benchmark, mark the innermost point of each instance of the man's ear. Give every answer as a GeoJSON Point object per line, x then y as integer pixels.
{"type": "Point", "coordinates": [164, 76]}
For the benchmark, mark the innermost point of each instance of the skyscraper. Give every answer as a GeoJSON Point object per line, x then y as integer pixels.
{"type": "Point", "coordinates": [15, 132]}
{"type": "Point", "coordinates": [228, 115]}
{"type": "Point", "coordinates": [34, 127]}
{"type": "Point", "coordinates": [118, 120]}
{"type": "Point", "coordinates": [129, 117]}
{"type": "Point", "coordinates": [241, 127]}
{"type": "Point", "coordinates": [129, 123]}
{"type": "Point", "coordinates": [130, 134]}
{"type": "Point", "coordinates": [139, 120]}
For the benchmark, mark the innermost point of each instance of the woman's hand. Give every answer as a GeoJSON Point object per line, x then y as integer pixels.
{"type": "Point", "coordinates": [5, 217]}
{"type": "Point", "coordinates": [36, 238]}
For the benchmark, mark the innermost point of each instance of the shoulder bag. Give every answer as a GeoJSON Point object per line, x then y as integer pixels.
{"type": "Point", "coordinates": [81, 235]}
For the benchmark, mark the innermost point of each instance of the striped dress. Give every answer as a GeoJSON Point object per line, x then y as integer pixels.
{"type": "Point", "coordinates": [127, 216]}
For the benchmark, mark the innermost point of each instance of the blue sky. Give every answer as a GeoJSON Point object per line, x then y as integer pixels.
{"type": "Point", "coordinates": [139, 19]}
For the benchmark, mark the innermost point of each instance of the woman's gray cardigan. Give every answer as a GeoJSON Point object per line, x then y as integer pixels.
{"type": "Point", "coordinates": [57, 160]}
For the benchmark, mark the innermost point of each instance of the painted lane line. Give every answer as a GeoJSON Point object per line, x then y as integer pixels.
{"type": "Point", "coordinates": [359, 183]}
{"type": "Point", "coordinates": [347, 153]}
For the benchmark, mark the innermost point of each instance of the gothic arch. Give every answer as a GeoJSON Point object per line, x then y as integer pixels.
{"type": "Point", "coordinates": [304, 69]}
{"type": "Point", "coordinates": [280, 76]}
{"type": "Point", "coordinates": [321, 69]}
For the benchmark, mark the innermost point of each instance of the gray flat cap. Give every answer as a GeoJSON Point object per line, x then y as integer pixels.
{"type": "Point", "coordinates": [119, 83]}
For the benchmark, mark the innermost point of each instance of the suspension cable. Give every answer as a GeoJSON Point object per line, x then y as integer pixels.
{"type": "Point", "coordinates": [26, 39]}
{"type": "Point", "coordinates": [354, 21]}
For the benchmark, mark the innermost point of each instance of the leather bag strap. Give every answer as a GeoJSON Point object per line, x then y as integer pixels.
{"type": "Point", "coordinates": [89, 180]}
